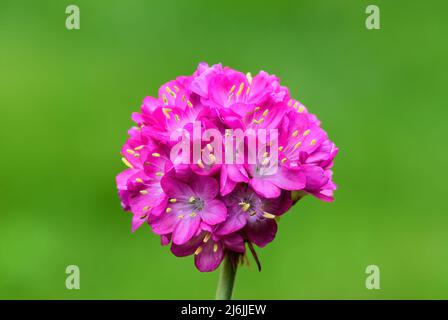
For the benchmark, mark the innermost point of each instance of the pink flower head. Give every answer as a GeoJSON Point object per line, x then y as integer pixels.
{"type": "Point", "coordinates": [214, 159]}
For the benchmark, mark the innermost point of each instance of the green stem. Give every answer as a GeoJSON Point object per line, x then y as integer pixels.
{"type": "Point", "coordinates": [226, 279]}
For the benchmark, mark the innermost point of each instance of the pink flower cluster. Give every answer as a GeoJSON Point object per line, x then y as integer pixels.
{"type": "Point", "coordinates": [208, 208]}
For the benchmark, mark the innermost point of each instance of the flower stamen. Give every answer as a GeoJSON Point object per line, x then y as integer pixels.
{"type": "Point", "coordinates": [166, 112]}
{"type": "Point", "coordinates": [268, 215]}
{"type": "Point", "coordinates": [240, 89]}
{"type": "Point", "coordinates": [207, 237]}
{"type": "Point", "coordinates": [127, 163]}
{"type": "Point", "coordinates": [198, 250]}
{"type": "Point", "coordinates": [244, 206]}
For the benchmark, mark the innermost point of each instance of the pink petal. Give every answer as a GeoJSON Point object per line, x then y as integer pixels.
{"type": "Point", "coordinates": [265, 188]}
{"type": "Point", "coordinates": [137, 221]}
{"type": "Point", "coordinates": [227, 185]}
{"type": "Point", "coordinates": [164, 224]}
{"type": "Point", "coordinates": [289, 179]}
{"type": "Point", "coordinates": [261, 231]}
{"type": "Point", "coordinates": [185, 229]}
{"type": "Point", "coordinates": [189, 247]}
{"type": "Point", "coordinates": [235, 221]}
{"type": "Point", "coordinates": [174, 188]}
{"type": "Point", "coordinates": [214, 212]}
{"type": "Point", "coordinates": [209, 259]}
{"type": "Point", "coordinates": [204, 187]}
{"type": "Point", "coordinates": [234, 242]}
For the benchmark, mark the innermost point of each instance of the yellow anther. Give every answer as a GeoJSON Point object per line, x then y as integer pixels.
{"type": "Point", "coordinates": [249, 77]}
{"type": "Point", "coordinates": [252, 212]}
{"type": "Point", "coordinates": [136, 155]}
{"type": "Point", "coordinates": [176, 88]}
{"type": "Point", "coordinates": [265, 112]}
{"type": "Point", "coordinates": [189, 104]}
{"type": "Point", "coordinates": [127, 163]}
{"type": "Point", "coordinates": [181, 216]}
{"type": "Point", "coordinates": [139, 148]}
{"type": "Point", "coordinates": [193, 214]}
{"type": "Point", "coordinates": [307, 132]}
{"type": "Point", "coordinates": [295, 133]}
{"type": "Point", "coordinates": [266, 154]}
{"type": "Point", "coordinates": [295, 105]}
{"type": "Point", "coordinates": [247, 91]}
{"type": "Point", "coordinates": [155, 154]}
{"type": "Point", "coordinates": [159, 174]}
{"type": "Point", "coordinates": [215, 247]}
{"type": "Point", "coordinates": [297, 144]}
{"type": "Point", "coordinates": [207, 237]}
{"type": "Point", "coordinates": [143, 192]}
{"type": "Point", "coordinates": [176, 116]}
{"type": "Point", "coordinates": [280, 148]}
{"type": "Point", "coordinates": [265, 162]}
{"type": "Point", "coordinates": [183, 98]}
{"type": "Point", "coordinates": [191, 200]}
{"type": "Point", "coordinates": [167, 89]}
{"type": "Point", "coordinates": [313, 142]}
{"type": "Point", "coordinates": [139, 180]}
{"type": "Point", "coordinates": [173, 200]}
{"type": "Point", "coordinates": [289, 103]}
{"type": "Point", "coordinates": [200, 164]}
{"type": "Point", "coordinates": [268, 215]}
{"type": "Point", "coordinates": [232, 89]}
{"type": "Point", "coordinates": [166, 112]}
{"type": "Point", "coordinates": [256, 109]}
{"type": "Point", "coordinates": [240, 89]}
{"type": "Point", "coordinates": [198, 251]}
{"type": "Point", "coordinates": [301, 109]}
{"type": "Point", "coordinates": [244, 205]}
{"type": "Point", "coordinates": [209, 147]}
{"type": "Point", "coordinates": [165, 100]}
{"type": "Point", "coordinates": [258, 121]}
{"type": "Point", "coordinates": [130, 151]}
{"type": "Point", "coordinates": [284, 160]}
{"type": "Point", "coordinates": [168, 210]}
{"type": "Point", "coordinates": [146, 208]}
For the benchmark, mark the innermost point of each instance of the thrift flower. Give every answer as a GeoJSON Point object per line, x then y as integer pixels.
{"type": "Point", "coordinates": [216, 157]}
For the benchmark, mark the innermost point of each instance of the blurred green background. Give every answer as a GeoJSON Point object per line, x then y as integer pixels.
{"type": "Point", "coordinates": [66, 98]}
